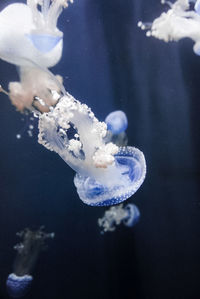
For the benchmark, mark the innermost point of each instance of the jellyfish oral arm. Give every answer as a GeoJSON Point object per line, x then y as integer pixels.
{"type": "Point", "coordinates": [105, 173]}
{"type": "Point", "coordinates": [86, 151]}
{"type": "Point", "coordinates": [177, 23]}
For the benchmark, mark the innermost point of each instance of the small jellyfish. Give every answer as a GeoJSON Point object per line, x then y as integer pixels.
{"type": "Point", "coordinates": [30, 39]}
{"type": "Point", "coordinates": [18, 282]}
{"type": "Point", "coordinates": [128, 215]}
{"type": "Point", "coordinates": [117, 124]}
{"type": "Point", "coordinates": [105, 173]}
{"type": "Point", "coordinates": [178, 22]}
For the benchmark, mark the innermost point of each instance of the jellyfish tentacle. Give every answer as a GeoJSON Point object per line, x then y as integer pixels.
{"type": "Point", "coordinates": [105, 173]}
{"type": "Point", "coordinates": [178, 22]}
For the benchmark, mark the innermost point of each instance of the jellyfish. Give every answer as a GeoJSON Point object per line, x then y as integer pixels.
{"type": "Point", "coordinates": [117, 124]}
{"type": "Point", "coordinates": [105, 173]}
{"type": "Point", "coordinates": [180, 21]}
{"type": "Point", "coordinates": [129, 215]}
{"type": "Point", "coordinates": [18, 282]}
{"type": "Point", "coordinates": [30, 39]}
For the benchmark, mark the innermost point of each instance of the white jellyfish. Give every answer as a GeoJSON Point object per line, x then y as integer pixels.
{"type": "Point", "coordinates": [128, 215]}
{"type": "Point", "coordinates": [18, 282]}
{"type": "Point", "coordinates": [178, 22]}
{"type": "Point", "coordinates": [105, 173]}
{"type": "Point", "coordinates": [30, 39]}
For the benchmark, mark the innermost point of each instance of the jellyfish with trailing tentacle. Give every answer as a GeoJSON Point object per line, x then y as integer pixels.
{"type": "Point", "coordinates": [105, 173]}
{"type": "Point", "coordinates": [18, 282]}
{"type": "Point", "coordinates": [128, 215]}
{"type": "Point", "coordinates": [180, 21]}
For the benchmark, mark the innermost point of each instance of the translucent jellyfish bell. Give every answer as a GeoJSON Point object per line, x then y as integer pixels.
{"type": "Point", "coordinates": [197, 7]}
{"type": "Point", "coordinates": [126, 177]}
{"type": "Point", "coordinates": [18, 282]}
{"type": "Point", "coordinates": [30, 39]}
{"type": "Point", "coordinates": [116, 122]}
{"type": "Point", "coordinates": [18, 286]}
{"type": "Point", "coordinates": [133, 215]}
{"type": "Point", "coordinates": [105, 173]}
{"type": "Point", "coordinates": [29, 34]}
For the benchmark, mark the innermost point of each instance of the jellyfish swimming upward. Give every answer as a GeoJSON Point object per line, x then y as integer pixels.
{"type": "Point", "coordinates": [106, 174]}
{"type": "Point", "coordinates": [180, 21]}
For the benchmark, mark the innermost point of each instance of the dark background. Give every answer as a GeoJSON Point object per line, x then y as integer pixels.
{"type": "Point", "coordinates": [109, 64]}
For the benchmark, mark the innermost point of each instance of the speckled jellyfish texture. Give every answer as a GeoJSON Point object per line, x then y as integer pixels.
{"type": "Point", "coordinates": [128, 214]}
{"type": "Point", "coordinates": [181, 20]}
{"type": "Point", "coordinates": [19, 282]}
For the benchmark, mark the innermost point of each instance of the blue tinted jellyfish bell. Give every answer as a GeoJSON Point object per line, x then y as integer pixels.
{"type": "Point", "coordinates": [28, 251]}
{"type": "Point", "coordinates": [30, 39]}
{"type": "Point", "coordinates": [132, 215]}
{"type": "Point", "coordinates": [117, 124]}
{"type": "Point", "coordinates": [35, 29]}
{"type": "Point", "coordinates": [105, 173]}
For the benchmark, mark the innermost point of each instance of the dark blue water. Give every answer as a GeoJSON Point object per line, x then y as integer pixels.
{"type": "Point", "coordinates": [109, 64]}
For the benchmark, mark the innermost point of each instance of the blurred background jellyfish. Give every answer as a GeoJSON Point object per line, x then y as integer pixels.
{"type": "Point", "coordinates": [30, 39]}
{"type": "Point", "coordinates": [129, 215]}
{"type": "Point", "coordinates": [33, 242]}
{"type": "Point", "coordinates": [117, 124]}
{"type": "Point", "coordinates": [180, 21]}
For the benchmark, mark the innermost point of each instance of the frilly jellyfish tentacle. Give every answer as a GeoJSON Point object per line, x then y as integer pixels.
{"type": "Point", "coordinates": [133, 215]}
{"type": "Point", "coordinates": [130, 169]}
{"type": "Point", "coordinates": [28, 251]}
{"type": "Point", "coordinates": [106, 174]}
{"type": "Point", "coordinates": [178, 22]}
